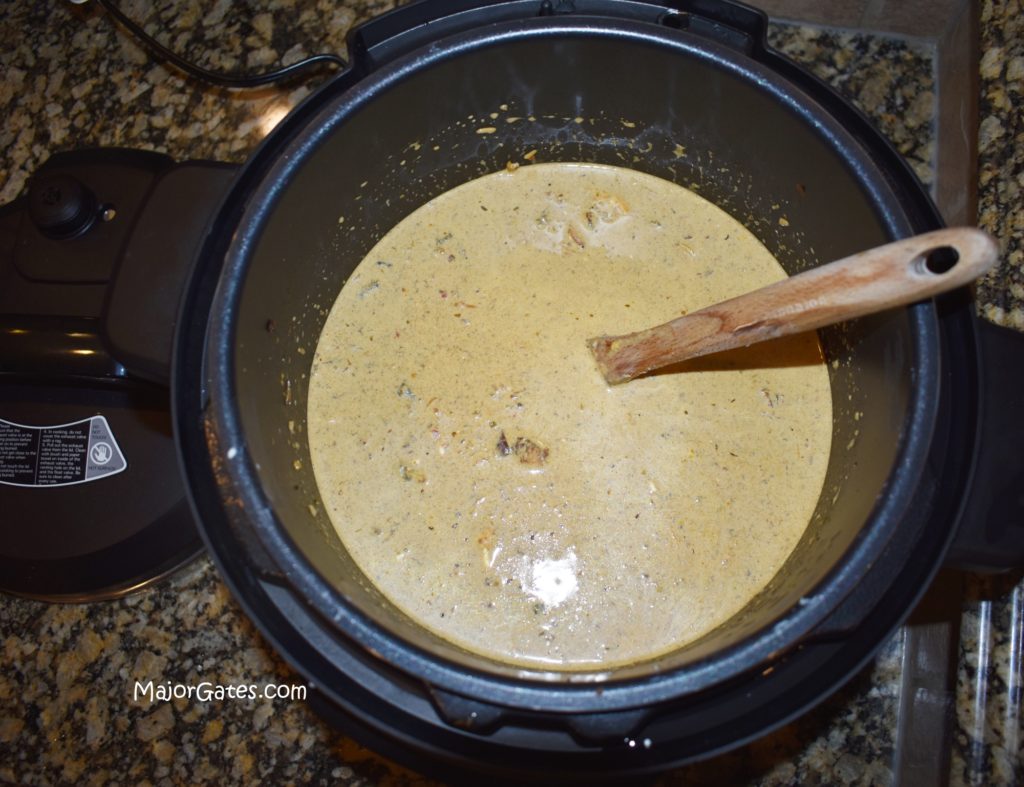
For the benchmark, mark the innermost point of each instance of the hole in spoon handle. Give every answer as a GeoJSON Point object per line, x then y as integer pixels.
{"type": "Point", "coordinates": [940, 260]}
{"type": "Point", "coordinates": [948, 258]}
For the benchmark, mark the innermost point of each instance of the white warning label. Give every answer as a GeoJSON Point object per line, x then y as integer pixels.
{"type": "Point", "coordinates": [58, 455]}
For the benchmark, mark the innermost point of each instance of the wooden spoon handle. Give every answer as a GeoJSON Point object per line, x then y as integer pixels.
{"type": "Point", "coordinates": [892, 275]}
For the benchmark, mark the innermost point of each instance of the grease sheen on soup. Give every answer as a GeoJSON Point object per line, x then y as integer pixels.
{"type": "Point", "coordinates": [488, 481]}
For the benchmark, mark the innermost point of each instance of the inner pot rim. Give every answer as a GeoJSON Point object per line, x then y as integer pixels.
{"type": "Point", "coordinates": [286, 154]}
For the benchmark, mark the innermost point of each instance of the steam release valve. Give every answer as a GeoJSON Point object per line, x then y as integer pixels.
{"type": "Point", "coordinates": [60, 206]}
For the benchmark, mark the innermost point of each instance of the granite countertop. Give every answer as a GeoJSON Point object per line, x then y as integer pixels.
{"type": "Point", "coordinates": [70, 79]}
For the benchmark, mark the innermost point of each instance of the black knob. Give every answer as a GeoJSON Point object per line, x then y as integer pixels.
{"type": "Point", "coordinates": [60, 206]}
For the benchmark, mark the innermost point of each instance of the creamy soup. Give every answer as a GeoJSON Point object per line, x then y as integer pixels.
{"type": "Point", "coordinates": [491, 484]}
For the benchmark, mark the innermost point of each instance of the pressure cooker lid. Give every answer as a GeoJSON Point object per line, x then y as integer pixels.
{"type": "Point", "coordinates": [92, 500]}
{"type": "Point", "coordinates": [93, 505]}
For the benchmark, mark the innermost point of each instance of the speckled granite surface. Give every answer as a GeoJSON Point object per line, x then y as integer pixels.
{"type": "Point", "coordinates": [67, 714]}
{"type": "Point", "coordinates": [1001, 157]}
{"type": "Point", "coordinates": [988, 740]}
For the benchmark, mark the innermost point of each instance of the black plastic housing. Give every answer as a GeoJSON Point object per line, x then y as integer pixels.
{"type": "Point", "coordinates": [399, 128]}
{"type": "Point", "coordinates": [93, 261]}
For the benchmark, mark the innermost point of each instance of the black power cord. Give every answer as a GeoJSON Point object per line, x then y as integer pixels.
{"type": "Point", "coordinates": [213, 77]}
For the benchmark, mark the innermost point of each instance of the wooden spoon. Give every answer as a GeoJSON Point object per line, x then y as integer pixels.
{"type": "Point", "coordinates": [892, 275]}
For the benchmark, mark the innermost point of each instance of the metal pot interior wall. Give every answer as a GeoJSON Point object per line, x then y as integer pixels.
{"type": "Point", "coordinates": [681, 112]}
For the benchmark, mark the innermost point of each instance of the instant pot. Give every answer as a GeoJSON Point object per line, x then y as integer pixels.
{"type": "Point", "coordinates": [924, 470]}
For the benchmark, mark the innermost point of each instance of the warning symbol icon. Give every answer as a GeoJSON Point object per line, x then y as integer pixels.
{"type": "Point", "coordinates": [104, 457]}
{"type": "Point", "coordinates": [101, 453]}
